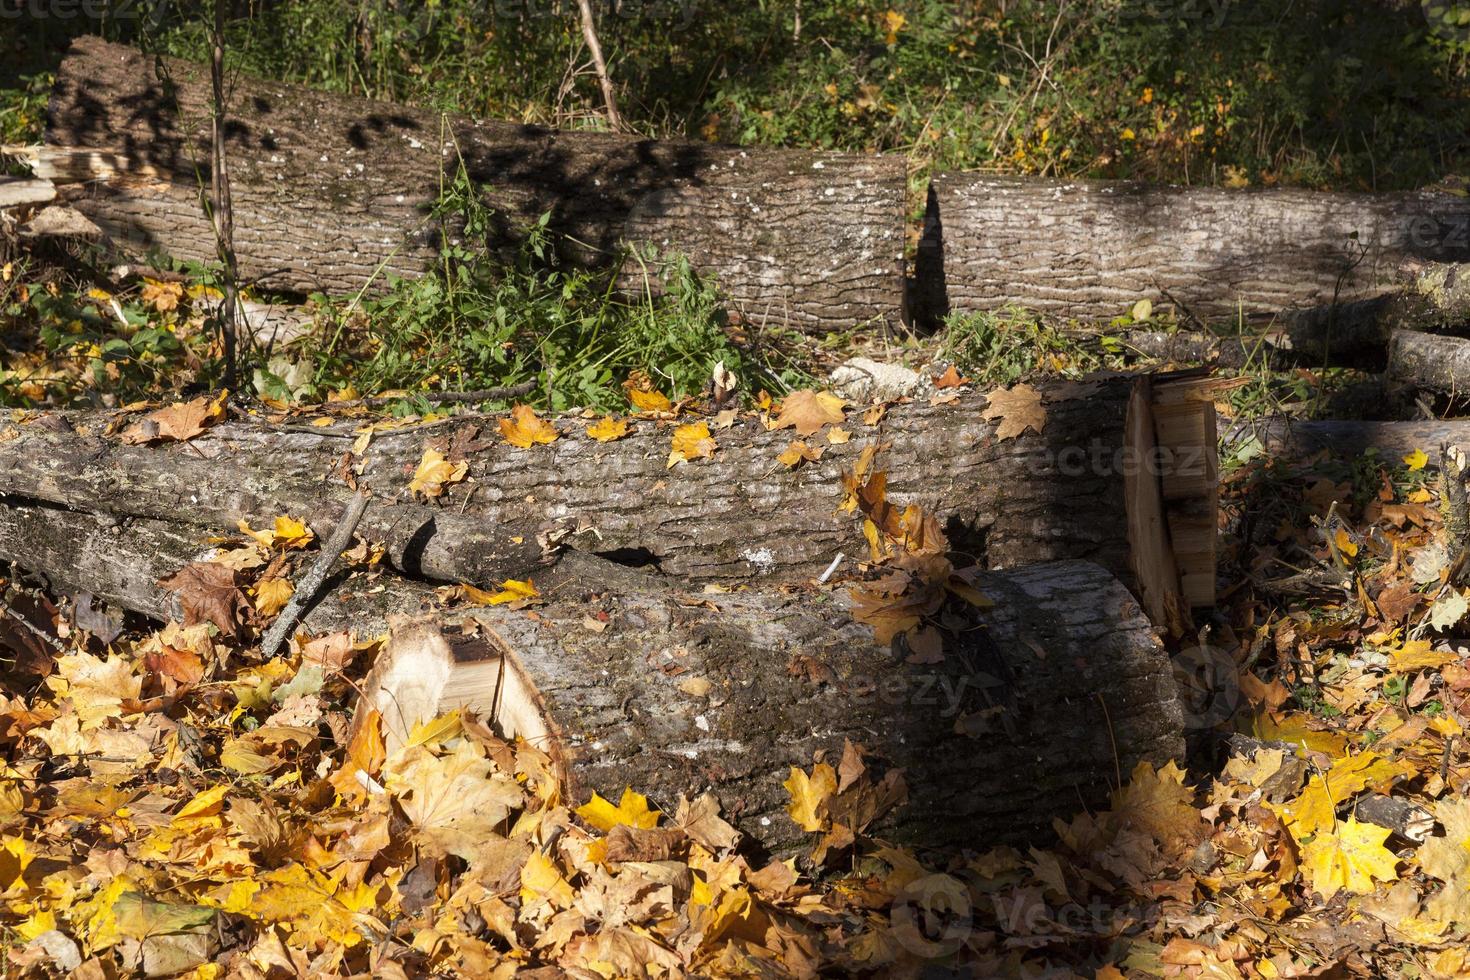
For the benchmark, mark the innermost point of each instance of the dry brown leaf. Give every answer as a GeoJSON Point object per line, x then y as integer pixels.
{"type": "Point", "coordinates": [807, 411]}
{"type": "Point", "coordinates": [798, 452]}
{"type": "Point", "coordinates": [1017, 408]}
{"type": "Point", "coordinates": [209, 592]}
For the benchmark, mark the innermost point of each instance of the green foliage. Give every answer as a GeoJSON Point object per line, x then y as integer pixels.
{"type": "Point", "coordinates": [998, 348]}
{"type": "Point", "coordinates": [1317, 92]}
{"type": "Point", "coordinates": [483, 323]}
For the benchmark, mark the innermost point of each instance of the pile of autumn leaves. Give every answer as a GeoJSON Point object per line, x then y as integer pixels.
{"type": "Point", "coordinates": [173, 804]}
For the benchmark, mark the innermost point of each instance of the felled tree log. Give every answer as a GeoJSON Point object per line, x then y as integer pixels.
{"type": "Point", "coordinates": [1432, 361]}
{"type": "Point", "coordinates": [1058, 494]}
{"type": "Point", "coordinates": [1288, 439]}
{"type": "Point", "coordinates": [331, 192]}
{"type": "Point", "coordinates": [681, 692]}
{"type": "Point", "coordinates": [1090, 249]}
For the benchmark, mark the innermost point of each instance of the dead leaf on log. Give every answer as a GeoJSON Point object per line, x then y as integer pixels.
{"type": "Point", "coordinates": [691, 442]}
{"type": "Point", "coordinates": [608, 429]}
{"type": "Point", "coordinates": [525, 428]}
{"type": "Point", "coordinates": [1017, 408]}
{"type": "Point", "coordinates": [435, 472]}
{"type": "Point", "coordinates": [209, 592]}
{"type": "Point", "coordinates": [176, 423]}
{"type": "Point", "coordinates": [798, 452]}
{"type": "Point", "coordinates": [807, 411]}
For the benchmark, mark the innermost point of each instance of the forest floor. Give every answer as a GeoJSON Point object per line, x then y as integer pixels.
{"type": "Point", "coordinates": [173, 802]}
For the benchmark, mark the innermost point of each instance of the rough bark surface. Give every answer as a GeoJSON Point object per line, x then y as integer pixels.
{"type": "Point", "coordinates": [332, 192]}
{"type": "Point", "coordinates": [1065, 687]}
{"type": "Point", "coordinates": [1432, 361]}
{"type": "Point", "coordinates": [1091, 249]}
{"type": "Point", "coordinates": [1295, 439]}
{"type": "Point", "coordinates": [740, 515]}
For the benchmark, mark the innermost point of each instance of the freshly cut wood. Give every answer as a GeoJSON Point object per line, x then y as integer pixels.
{"type": "Point", "coordinates": [1433, 361]}
{"type": "Point", "coordinates": [333, 193]}
{"type": "Point", "coordinates": [677, 692]}
{"type": "Point", "coordinates": [20, 192]}
{"type": "Point", "coordinates": [1298, 439]}
{"type": "Point", "coordinates": [740, 515]}
{"type": "Point", "coordinates": [1091, 249]}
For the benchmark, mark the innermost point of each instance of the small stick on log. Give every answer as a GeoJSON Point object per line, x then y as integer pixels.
{"type": "Point", "coordinates": [1411, 822]}
{"type": "Point", "coordinates": [312, 581]}
{"type": "Point", "coordinates": [442, 397]}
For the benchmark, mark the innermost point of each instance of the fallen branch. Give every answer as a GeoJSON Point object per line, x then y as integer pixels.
{"type": "Point", "coordinates": [311, 583]}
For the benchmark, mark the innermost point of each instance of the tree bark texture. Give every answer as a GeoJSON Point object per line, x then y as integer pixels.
{"type": "Point", "coordinates": [1432, 361]}
{"type": "Point", "coordinates": [332, 193]}
{"type": "Point", "coordinates": [1064, 688]}
{"type": "Point", "coordinates": [741, 515]}
{"type": "Point", "coordinates": [1289, 439]}
{"type": "Point", "coordinates": [1091, 249]}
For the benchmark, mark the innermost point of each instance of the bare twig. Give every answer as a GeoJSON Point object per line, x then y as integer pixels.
{"type": "Point", "coordinates": [440, 397]}
{"type": "Point", "coordinates": [221, 208]}
{"type": "Point", "coordinates": [36, 631]}
{"type": "Point", "coordinates": [312, 581]}
{"type": "Point", "coordinates": [609, 97]}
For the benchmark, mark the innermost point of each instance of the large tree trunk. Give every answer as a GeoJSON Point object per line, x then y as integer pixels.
{"type": "Point", "coordinates": [1432, 361]}
{"type": "Point", "coordinates": [1091, 249]}
{"type": "Point", "coordinates": [333, 192]}
{"type": "Point", "coordinates": [1064, 689]}
{"type": "Point", "coordinates": [1344, 439]}
{"type": "Point", "coordinates": [1059, 494]}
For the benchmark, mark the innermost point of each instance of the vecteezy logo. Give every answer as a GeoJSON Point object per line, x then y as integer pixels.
{"type": "Point", "coordinates": [1209, 686]}
{"type": "Point", "coordinates": [1448, 21]}
{"type": "Point", "coordinates": [931, 917]}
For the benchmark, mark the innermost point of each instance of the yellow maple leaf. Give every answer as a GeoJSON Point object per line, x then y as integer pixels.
{"type": "Point", "coordinates": [608, 429]}
{"type": "Point", "coordinates": [649, 401]}
{"type": "Point", "coordinates": [798, 452]}
{"type": "Point", "coordinates": [809, 795]}
{"type": "Point", "coordinates": [1416, 460]}
{"type": "Point", "coordinates": [292, 533]}
{"type": "Point", "coordinates": [632, 810]}
{"type": "Point", "coordinates": [1314, 810]}
{"type": "Point", "coordinates": [525, 428]}
{"type": "Point", "coordinates": [691, 442]}
{"type": "Point", "coordinates": [435, 472]}
{"type": "Point", "coordinates": [1420, 655]}
{"type": "Point", "coordinates": [542, 880]}
{"type": "Point", "coordinates": [511, 591]}
{"type": "Point", "coordinates": [1351, 857]}
{"type": "Point", "coordinates": [1158, 803]}
{"type": "Point", "coordinates": [1345, 543]}
{"type": "Point", "coordinates": [272, 595]}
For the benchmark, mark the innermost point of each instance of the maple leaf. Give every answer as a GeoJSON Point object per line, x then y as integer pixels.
{"type": "Point", "coordinates": [702, 822]}
{"type": "Point", "coordinates": [1349, 858]}
{"type": "Point", "coordinates": [798, 452]}
{"type": "Point", "coordinates": [809, 795]}
{"type": "Point", "coordinates": [525, 428]}
{"type": "Point", "coordinates": [691, 442]}
{"type": "Point", "coordinates": [178, 422]}
{"type": "Point", "coordinates": [950, 379]}
{"type": "Point", "coordinates": [1157, 803]}
{"type": "Point", "coordinates": [162, 296]}
{"type": "Point", "coordinates": [1018, 408]}
{"type": "Point", "coordinates": [649, 401]}
{"type": "Point", "coordinates": [288, 532]}
{"type": "Point", "coordinates": [209, 593]}
{"type": "Point", "coordinates": [272, 595]}
{"type": "Point", "coordinates": [451, 800]}
{"type": "Point", "coordinates": [435, 472]}
{"type": "Point", "coordinates": [807, 411]}
{"type": "Point", "coordinates": [632, 811]}
{"type": "Point", "coordinates": [1314, 811]}
{"type": "Point", "coordinates": [96, 687]}
{"type": "Point", "coordinates": [608, 429]}
{"type": "Point", "coordinates": [517, 594]}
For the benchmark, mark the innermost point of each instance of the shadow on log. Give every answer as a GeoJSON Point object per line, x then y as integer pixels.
{"type": "Point", "coordinates": [333, 193]}
{"type": "Point", "coordinates": [1037, 708]}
